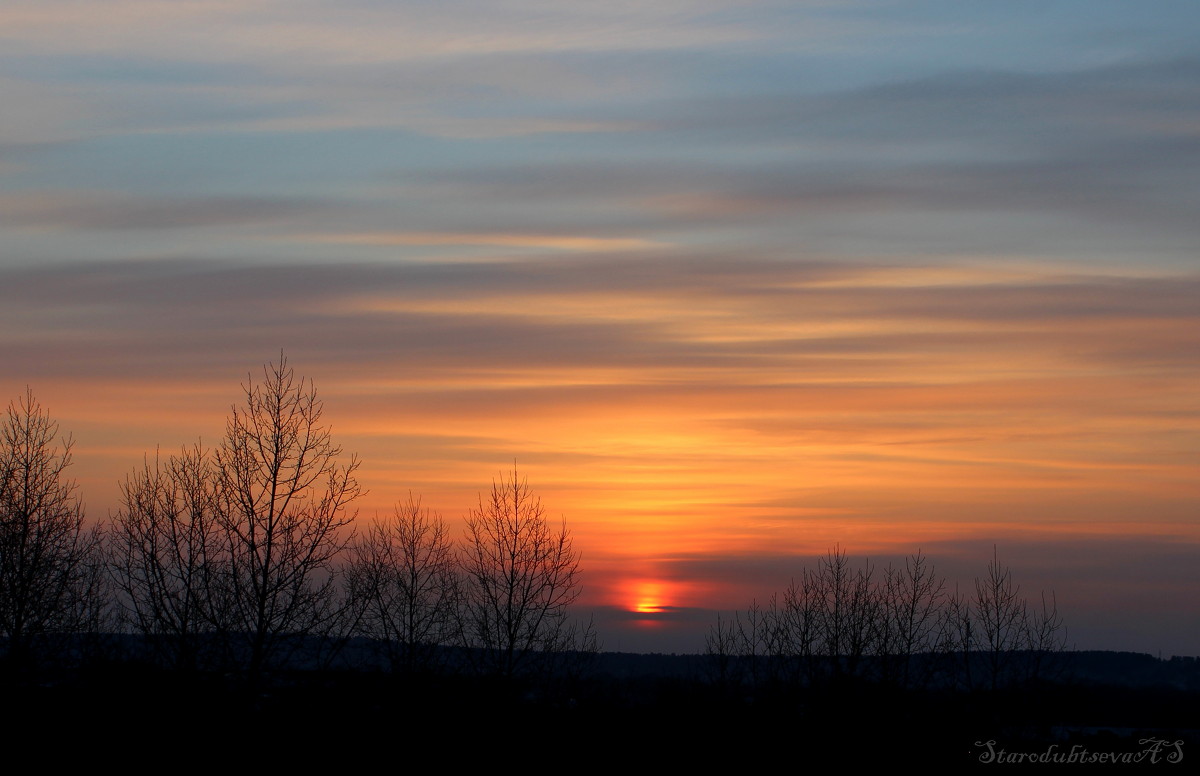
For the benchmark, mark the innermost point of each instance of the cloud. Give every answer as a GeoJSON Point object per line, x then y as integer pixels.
{"type": "Point", "coordinates": [1008, 112]}
{"type": "Point", "coordinates": [114, 211]}
{"type": "Point", "coordinates": [564, 242]}
{"type": "Point", "coordinates": [371, 31]}
{"type": "Point", "coordinates": [1030, 157]}
{"type": "Point", "coordinates": [281, 67]}
{"type": "Point", "coordinates": [623, 311]}
{"type": "Point", "coordinates": [47, 111]}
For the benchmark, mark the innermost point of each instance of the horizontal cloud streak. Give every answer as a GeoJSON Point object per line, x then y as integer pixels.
{"type": "Point", "coordinates": [874, 381]}
{"type": "Point", "coordinates": [109, 211]}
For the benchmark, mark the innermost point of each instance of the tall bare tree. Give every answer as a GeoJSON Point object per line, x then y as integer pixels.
{"type": "Point", "coordinates": [167, 556]}
{"type": "Point", "coordinates": [847, 611]}
{"type": "Point", "coordinates": [911, 602]}
{"type": "Point", "coordinates": [1016, 641]}
{"type": "Point", "coordinates": [48, 559]}
{"type": "Point", "coordinates": [520, 577]}
{"type": "Point", "coordinates": [282, 509]}
{"type": "Point", "coordinates": [403, 576]}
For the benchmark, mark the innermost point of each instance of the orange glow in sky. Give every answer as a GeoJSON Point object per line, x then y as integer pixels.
{"type": "Point", "coordinates": [692, 477]}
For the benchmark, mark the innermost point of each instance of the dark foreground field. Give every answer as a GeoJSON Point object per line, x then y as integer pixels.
{"type": "Point", "coordinates": [624, 711]}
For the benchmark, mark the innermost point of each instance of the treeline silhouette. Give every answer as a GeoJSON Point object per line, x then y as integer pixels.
{"type": "Point", "coordinates": [244, 559]}
{"type": "Point", "coordinates": [900, 627]}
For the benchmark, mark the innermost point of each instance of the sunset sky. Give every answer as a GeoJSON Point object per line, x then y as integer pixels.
{"type": "Point", "coordinates": [730, 282]}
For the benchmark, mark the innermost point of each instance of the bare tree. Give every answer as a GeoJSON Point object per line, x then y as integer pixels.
{"type": "Point", "coordinates": [281, 505]}
{"type": "Point", "coordinates": [799, 633]}
{"type": "Point", "coordinates": [1046, 636]}
{"type": "Point", "coordinates": [167, 558]}
{"type": "Point", "coordinates": [1016, 641]}
{"type": "Point", "coordinates": [1002, 618]}
{"type": "Point", "coordinates": [403, 576]}
{"type": "Point", "coordinates": [722, 647]}
{"type": "Point", "coordinates": [747, 647]}
{"type": "Point", "coordinates": [520, 577]}
{"type": "Point", "coordinates": [825, 626]}
{"type": "Point", "coordinates": [912, 601]}
{"type": "Point", "coordinates": [956, 640]}
{"type": "Point", "coordinates": [846, 611]}
{"type": "Point", "coordinates": [48, 560]}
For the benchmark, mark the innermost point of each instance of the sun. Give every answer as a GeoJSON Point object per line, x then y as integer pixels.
{"type": "Point", "coordinates": [649, 598]}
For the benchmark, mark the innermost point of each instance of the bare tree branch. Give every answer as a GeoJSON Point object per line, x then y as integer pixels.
{"type": "Point", "coordinates": [49, 562]}
{"type": "Point", "coordinates": [520, 577]}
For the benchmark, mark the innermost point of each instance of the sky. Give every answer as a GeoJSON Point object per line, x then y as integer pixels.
{"type": "Point", "coordinates": [730, 282]}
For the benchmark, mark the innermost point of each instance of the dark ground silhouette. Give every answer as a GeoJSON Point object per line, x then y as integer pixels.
{"type": "Point", "coordinates": [624, 708]}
